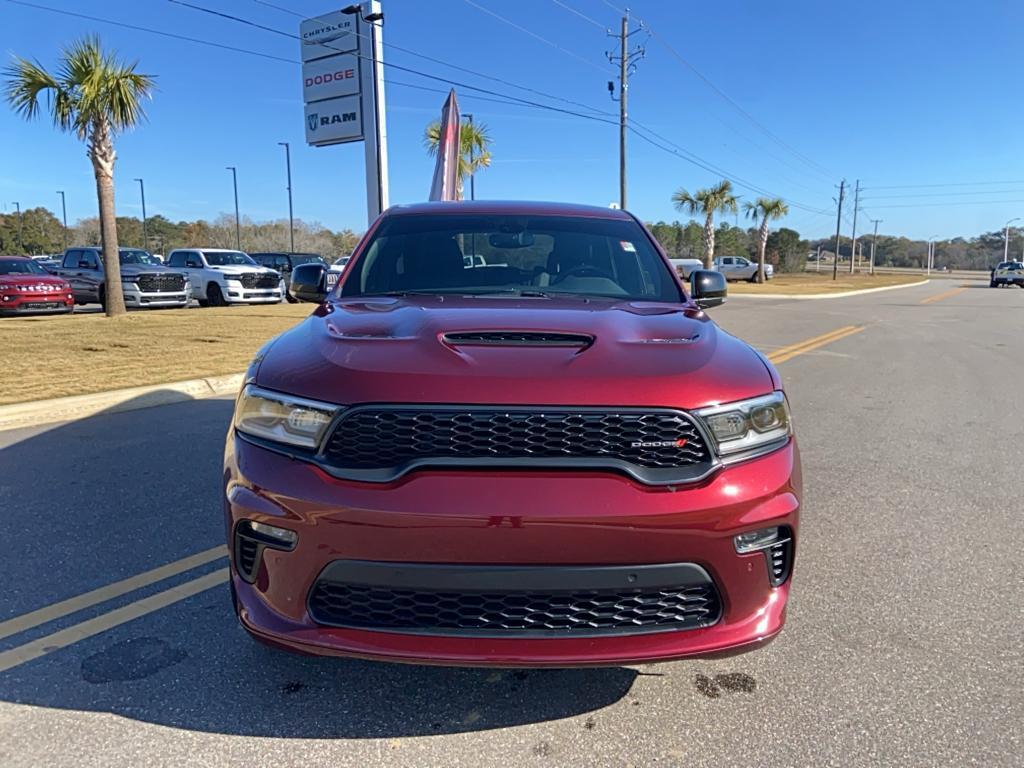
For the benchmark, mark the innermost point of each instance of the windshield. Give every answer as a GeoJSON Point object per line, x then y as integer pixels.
{"type": "Point", "coordinates": [520, 254]}
{"type": "Point", "coordinates": [227, 258]}
{"type": "Point", "coordinates": [1010, 265]}
{"type": "Point", "coordinates": [138, 257]}
{"type": "Point", "coordinates": [20, 267]}
{"type": "Point", "coordinates": [307, 258]}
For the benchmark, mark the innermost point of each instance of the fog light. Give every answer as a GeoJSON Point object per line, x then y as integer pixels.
{"type": "Point", "coordinates": [280, 536]}
{"type": "Point", "coordinates": [756, 540]}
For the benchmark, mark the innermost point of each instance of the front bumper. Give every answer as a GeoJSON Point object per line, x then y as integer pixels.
{"type": "Point", "coordinates": [235, 293]}
{"type": "Point", "coordinates": [501, 519]}
{"type": "Point", "coordinates": [18, 303]}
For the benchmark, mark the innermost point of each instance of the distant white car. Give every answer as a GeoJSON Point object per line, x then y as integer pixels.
{"type": "Point", "coordinates": [685, 266]}
{"type": "Point", "coordinates": [340, 264]}
{"type": "Point", "coordinates": [220, 276]}
{"type": "Point", "coordinates": [739, 268]}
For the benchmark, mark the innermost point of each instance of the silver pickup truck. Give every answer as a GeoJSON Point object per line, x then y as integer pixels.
{"type": "Point", "coordinates": [144, 281]}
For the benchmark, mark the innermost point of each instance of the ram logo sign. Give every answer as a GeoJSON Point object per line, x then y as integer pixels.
{"type": "Point", "coordinates": [334, 121]}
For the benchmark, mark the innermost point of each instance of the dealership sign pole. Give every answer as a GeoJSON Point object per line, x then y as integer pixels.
{"type": "Point", "coordinates": [343, 89]}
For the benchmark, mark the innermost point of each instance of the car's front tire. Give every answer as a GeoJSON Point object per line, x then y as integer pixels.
{"type": "Point", "coordinates": [214, 295]}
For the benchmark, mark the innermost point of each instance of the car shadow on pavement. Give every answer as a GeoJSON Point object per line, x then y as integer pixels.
{"type": "Point", "coordinates": [108, 497]}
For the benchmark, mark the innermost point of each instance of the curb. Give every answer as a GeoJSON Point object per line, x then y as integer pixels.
{"type": "Point", "coordinates": [38, 412]}
{"type": "Point", "coordinates": [812, 296]}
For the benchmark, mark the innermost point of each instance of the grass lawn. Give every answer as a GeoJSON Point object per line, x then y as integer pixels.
{"type": "Point", "coordinates": [56, 356]}
{"type": "Point", "coordinates": [813, 282]}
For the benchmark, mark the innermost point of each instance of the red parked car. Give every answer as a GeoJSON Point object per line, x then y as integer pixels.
{"type": "Point", "coordinates": [26, 288]}
{"type": "Point", "coordinates": [553, 458]}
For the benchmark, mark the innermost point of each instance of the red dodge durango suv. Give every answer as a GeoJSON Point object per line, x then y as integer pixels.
{"type": "Point", "coordinates": [547, 456]}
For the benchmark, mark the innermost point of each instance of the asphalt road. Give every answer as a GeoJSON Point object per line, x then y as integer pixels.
{"type": "Point", "coordinates": [903, 643]}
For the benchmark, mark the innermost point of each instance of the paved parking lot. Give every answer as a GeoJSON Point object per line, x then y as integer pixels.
{"type": "Point", "coordinates": [903, 644]}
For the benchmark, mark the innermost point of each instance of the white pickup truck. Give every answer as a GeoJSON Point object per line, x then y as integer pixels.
{"type": "Point", "coordinates": [220, 276]}
{"type": "Point", "coordinates": [739, 268]}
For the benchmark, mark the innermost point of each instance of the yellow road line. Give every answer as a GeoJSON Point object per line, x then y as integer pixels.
{"type": "Point", "coordinates": [65, 637]}
{"type": "Point", "coordinates": [783, 354]}
{"type": "Point", "coordinates": [940, 296]}
{"type": "Point", "coordinates": [110, 591]}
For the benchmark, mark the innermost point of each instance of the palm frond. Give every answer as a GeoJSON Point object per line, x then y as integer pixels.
{"type": "Point", "coordinates": [25, 82]}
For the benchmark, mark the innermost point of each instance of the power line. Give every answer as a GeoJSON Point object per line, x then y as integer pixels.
{"type": "Point", "coordinates": [534, 35]}
{"type": "Point", "coordinates": [947, 184]}
{"type": "Point", "coordinates": [583, 16]}
{"type": "Point", "coordinates": [161, 32]}
{"type": "Point", "coordinates": [443, 63]}
{"type": "Point", "coordinates": [946, 194]}
{"type": "Point", "coordinates": [948, 203]}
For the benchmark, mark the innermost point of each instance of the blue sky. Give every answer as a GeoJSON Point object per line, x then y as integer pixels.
{"type": "Point", "coordinates": [908, 93]}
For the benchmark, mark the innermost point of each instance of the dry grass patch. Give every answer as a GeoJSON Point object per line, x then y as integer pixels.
{"type": "Point", "coordinates": [812, 282]}
{"type": "Point", "coordinates": [45, 357]}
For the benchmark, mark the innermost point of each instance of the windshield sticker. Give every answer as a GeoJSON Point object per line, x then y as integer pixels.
{"type": "Point", "coordinates": [627, 246]}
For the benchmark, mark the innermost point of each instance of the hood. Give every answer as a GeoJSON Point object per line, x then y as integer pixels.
{"type": "Point", "coordinates": [243, 269]}
{"type": "Point", "coordinates": [30, 280]}
{"type": "Point", "coordinates": [434, 349]}
{"type": "Point", "coordinates": [148, 269]}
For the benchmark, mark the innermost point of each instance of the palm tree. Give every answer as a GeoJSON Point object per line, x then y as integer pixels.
{"type": "Point", "coordinates": [474, 148]}
{"type": "Point", "coordinates": [94, 96]}
{"type": "Point", "coordinates": [766, 209]}
{"type": "Point", "coordinates": [707, 202]}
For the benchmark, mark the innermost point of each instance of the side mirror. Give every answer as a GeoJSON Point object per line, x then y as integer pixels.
{"type": "Point", "coordinates": [707, 288]}
{"type": "Point", "coordinates": [309, 283]}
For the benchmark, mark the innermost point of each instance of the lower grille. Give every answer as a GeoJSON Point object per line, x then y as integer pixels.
{"type": "Point", "coordinates": [610, 607]}
{"type": "Point", "coordinates": [254, 280]}
{"type": "Point", "coordinates": [172, 283]}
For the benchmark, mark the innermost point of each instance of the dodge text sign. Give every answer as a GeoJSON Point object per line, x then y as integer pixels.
{"type": "Point", "coordinates": [328, 35]}
{"type": "Point", "coordinates": [330, 77]}
{"type": "Point", "coordinates": [334, 121]}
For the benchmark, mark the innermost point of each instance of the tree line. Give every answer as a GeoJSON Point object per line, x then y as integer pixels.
{"type": "Point", "coordinates": [40, 232]}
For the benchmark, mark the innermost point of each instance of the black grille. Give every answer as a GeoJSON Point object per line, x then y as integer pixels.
{"type": "Point", "coordinates": [391, 440]}
{"type": "Point", "coordinates": [172, 283]}
{"type": "Point", "coordinates": [518, 339]}
{"type": "Point", "coordinates": [257, 280]}
{"type": "Point", "coordinates": [572, 612]}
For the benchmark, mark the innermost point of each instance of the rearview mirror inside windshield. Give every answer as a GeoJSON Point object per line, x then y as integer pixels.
{"type": "Point", "coordinates": [511, 239]}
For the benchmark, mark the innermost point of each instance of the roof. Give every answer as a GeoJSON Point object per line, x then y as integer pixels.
{"type": "Point", "coordinates": [13, 256]}
{"type": "Point", "coordinates": [517, 207]}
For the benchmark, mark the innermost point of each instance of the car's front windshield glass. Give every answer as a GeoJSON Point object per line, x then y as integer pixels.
{"type": "Point", "coordinates": [20, 267]}
{"type": "Point", "coordinates": [135, 256]}
{"type": "Point", "coordinates": [579, 255]}
{"type": "Point", "coordinates": [228, 258]}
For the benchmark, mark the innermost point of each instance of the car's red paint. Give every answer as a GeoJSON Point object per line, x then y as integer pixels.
{"type": "Point", "coordinates": [390, 350]}
{"type": "Point", "coordinates": [21, 293]}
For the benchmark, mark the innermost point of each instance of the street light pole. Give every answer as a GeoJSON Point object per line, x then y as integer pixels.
{"type": "Point", "coordinates": [238, 226]}
{"type": "Point", "coordinates": [1006, 239]}
{"type": "Point", "coordinates": [145, 236]}
{"type": "Point", "coordinates": [291, 218]}
{"type": "Point", "coordinates": [17, 207]}
{"type": "Point", "coordinates": [930, 247]}
{"type": "Point", "coordinates": [874, 239]}
{"type": "Point", "coordinates": [64, 213]}
{"type": "Point", "coordinates": [472, 176]}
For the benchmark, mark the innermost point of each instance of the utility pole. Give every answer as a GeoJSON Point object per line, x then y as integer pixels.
{"type": "Point", "coordinates": [627, 64]}
{"type": "Point", "coordinates": [145, 236]}
{"type": "Point", "coordinates": [817, 261]}
{"type": "Point", "coordinates": [64, 212]}
{"type": "Point", "coordinates": [472, 176]}
{"type": "Point", "coordinates": [17, 207]}
{"type": "Point", "coordinates": [853, 236]}
{"type": "Point", "coordinates": [1006, 239]}
{"type": "Point", "coordinates": [839, 220]}
{"type": "Point", "coordinates": [291, 218]}
{"type": "Point", "coordinates": [874, 239]}
{"type": "Point", "coordinates": [238, 226]}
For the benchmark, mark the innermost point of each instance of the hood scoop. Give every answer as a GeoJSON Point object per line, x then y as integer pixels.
{"type": "Point", "coordinates": [517, 339]}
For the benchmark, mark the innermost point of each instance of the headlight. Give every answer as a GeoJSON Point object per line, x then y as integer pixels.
{"type": "Point", "coordinates": [282, 418]}
{"type": "Point", "coordinates": [129, 278]}
{"type": "Point", "coordinates": [749, 424]}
